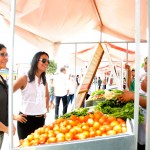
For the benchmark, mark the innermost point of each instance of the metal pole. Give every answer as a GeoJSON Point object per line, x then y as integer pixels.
{"type": "Point", "coordinates": [137, 71]}
{"type": "Point", "coordinates": [112, 67]}
{"type": "Point", "coordinates": [75, 75]}
{"type": "Point", "coordinates": [97, 42]}
{"type": "Point", "coordinates": [148, 81]}
{"type": "Point", "coordinates": [126, 70]}
{"type": "Point", "coordinates": [10, 107]}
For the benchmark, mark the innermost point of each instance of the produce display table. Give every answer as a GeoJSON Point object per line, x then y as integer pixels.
{"type": "Point", "coordinates": [117, 142]}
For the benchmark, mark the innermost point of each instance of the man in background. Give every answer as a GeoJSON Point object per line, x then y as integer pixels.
{"type": "Point", "coordinates": [61, 91]}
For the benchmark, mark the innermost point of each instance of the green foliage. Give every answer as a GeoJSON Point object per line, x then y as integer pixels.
{"type": "Point", "coordinates": [52, 67]}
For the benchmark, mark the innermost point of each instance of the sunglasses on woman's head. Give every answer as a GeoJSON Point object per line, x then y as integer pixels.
{"type": "Point", "coordinates": [43, 60]}
{"type": "Point", "coordinates": [4, 54]}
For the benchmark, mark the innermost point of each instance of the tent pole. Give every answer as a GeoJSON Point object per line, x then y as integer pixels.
{"type": "Point", "coordinates": [75, 75]}
{"type": "Point", "coordinates": [112, 67]}
{"type": "Point", "coordinates": [126, 70]}
{"type": "Point", "coordinates": [148, 80]}
{"type": "Point", "coordinates": [102, 42]}
{"type": "Point", "coordinates": [10, 106]}
{"type": "Point", "coordinates": [137, 71]}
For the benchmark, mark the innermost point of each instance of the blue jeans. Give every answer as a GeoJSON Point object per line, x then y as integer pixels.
{"type": "Point", "coordinates": [1, 139]}
{"type": "Point", "coordinates": [70, 98]}
{"type": "Point", "coordinates": [64, 101]}
{"type": "Point", "coordinates": [52, 98]}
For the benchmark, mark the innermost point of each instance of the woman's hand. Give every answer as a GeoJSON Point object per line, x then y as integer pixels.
{"type": "Point", "coordinates": [21, 118]}
{"type": "Point", "coordinates": [126, 96]}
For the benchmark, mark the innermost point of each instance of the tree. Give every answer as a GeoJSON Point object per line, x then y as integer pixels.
{"type": "Point", "coordinates": [52, 67]}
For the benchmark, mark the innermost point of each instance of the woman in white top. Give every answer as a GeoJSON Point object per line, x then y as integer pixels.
{"type": "Point", "coordinates": [35, 95]}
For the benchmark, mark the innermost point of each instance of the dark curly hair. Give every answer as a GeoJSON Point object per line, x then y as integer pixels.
{"type": "Point", "coordinates": [33, 68]}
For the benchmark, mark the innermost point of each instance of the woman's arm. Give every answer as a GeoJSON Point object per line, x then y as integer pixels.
{"type": "Point", "coordinates": [144, 84]}
{"type": "Point", "coordinates": [142, 101]}
{"type": "Point", "coordinates": [5, 128]}
{"type": "Point", "coordinates": [129, 96]}
{"type": "Point", "coordinates": [20, 83]}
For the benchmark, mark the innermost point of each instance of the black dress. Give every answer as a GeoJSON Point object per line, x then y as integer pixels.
{"type": "Point", "coordinates": [3, 104]}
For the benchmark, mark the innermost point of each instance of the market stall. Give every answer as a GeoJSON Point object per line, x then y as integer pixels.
{"type": "Point", "coordinates": [122, 141]}
{"type": "Point", "coordinates": [94, 126]}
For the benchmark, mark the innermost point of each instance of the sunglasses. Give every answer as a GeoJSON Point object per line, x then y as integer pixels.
{"type": "Point", "coordinates": [4, 54]}
{"type": "Point", "coordinates": [43, 60]}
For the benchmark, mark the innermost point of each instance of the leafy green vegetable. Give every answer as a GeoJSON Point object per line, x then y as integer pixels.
{"type": "Point", "coordinates": [118, 109]}
{"type": "Point", "coordinates": [117, 91]}
{"type": "Point", "coordinates": [98, 92]}
{"type": "Point", "coordinates": [78, 112]}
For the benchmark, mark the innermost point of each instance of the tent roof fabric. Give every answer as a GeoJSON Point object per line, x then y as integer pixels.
{"type": "Point", "coordinates": [57, 21]}
{"type": "Point", "coordinates": [48, 23]}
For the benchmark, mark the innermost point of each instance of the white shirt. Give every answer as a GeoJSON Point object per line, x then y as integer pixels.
{"type": "Point", "coordinates": [33, 98]}
{"type": "Point", "coordinates": [61, 85]}
{"type": "Point", "coordinates": [72, 86]}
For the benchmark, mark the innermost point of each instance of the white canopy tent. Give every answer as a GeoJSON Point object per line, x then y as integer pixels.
{"type": "Point", "coordinates": [46, 26]}
{"type": "Point", "coordinates": [84, 23]}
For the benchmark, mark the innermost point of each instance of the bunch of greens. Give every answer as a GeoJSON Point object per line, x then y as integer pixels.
{"type": "Point", "coordinates": [77, 112]}
{"type": "Point", "coordinates": [98, 92]}
{"type": "Point", "coordinates": [119, 110]}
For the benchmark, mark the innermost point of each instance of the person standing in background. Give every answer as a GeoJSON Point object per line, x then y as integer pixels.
{"type": "Point", "coordinates": [124, 83]}
{"type": "Point", "coordinates": [99, 82]}
{"type": "Point", "coordinates": [52, 96]}
{"type": "Point", "coordinates": [61, 91]}
{"type": "Point", "coordinates": [132, 85]}
{"type": "Point", "coordinates": [131, 77]}
{"type": "Point", "coordinates": [104, 83]}
{"type": "Point", "coordinates": [3, 96]}
{"type": "Point", "coordinates": [77, 80]}
{"type": "Point", "coordinates": [72, 88]}
{"type": "Point", "coordinates": [35, 95]}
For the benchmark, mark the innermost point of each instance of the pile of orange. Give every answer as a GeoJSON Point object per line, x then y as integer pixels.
{"type": "Point", "coordinates": [76, 128]}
